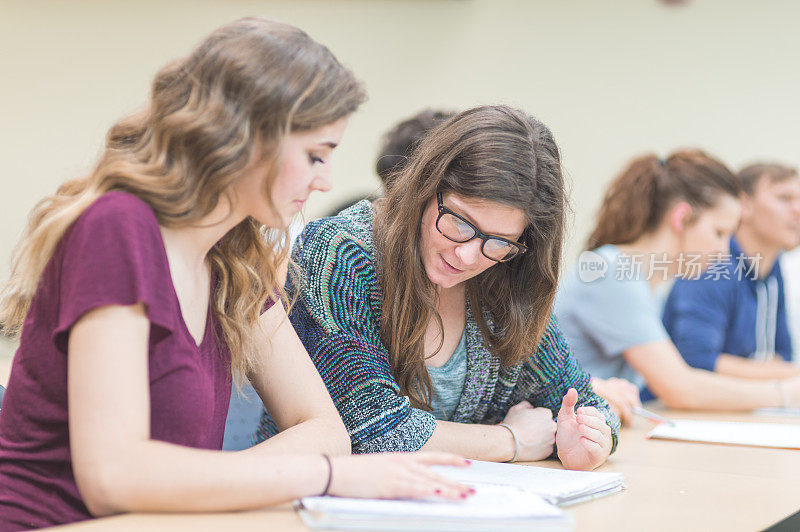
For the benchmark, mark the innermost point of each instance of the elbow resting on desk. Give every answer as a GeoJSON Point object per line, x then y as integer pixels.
{"type": "Point", "coordinates": [106, 486]}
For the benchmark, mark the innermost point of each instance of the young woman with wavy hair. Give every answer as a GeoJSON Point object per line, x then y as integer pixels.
{"type": "Point", "coordinates": [428, 313]}
{"type": "Point", "coordinates": [142, 288]}
{"type": "Point", "coordinates": [659, 219]}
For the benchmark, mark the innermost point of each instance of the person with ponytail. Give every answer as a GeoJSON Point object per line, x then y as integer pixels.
{"type": "Point", "coordinates": [142, 290]}
{"type": "Point", "coordinates": [660, 219]}
{"type": "Point", "coordinates": [428, 312]}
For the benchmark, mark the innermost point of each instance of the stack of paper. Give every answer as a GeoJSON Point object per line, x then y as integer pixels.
{"type": "Point", "coordinates": [557, 486]}
{"type": "Point", "coordinates": [492, 508]}
{"type": "Point", "coordinates": [755, 434]}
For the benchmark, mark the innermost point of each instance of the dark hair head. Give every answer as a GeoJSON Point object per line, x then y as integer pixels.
{"type": "Point", "coordinates": [637, 200]}
{"type": "Point", "coordinates": [751, 175]}
{"type": "Point", "coordinates": [400, 141]}
{"type": "Point", "coordinates": [491, 153]}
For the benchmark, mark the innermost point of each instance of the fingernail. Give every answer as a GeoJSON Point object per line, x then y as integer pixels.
{"type": "Point", "coordinates": [472, 491]}
{"type": "Point", "coordinates": [467, 462]}
{"type": "Point", "coordinates": [437, 492]}
{"type": "Point", "coordinates": [463, 495]}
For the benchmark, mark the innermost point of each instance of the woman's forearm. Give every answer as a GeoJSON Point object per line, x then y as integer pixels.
{"type": "Point", "coordinates": [704, 390]}
{"type": "Point", "coordinates": [492, 443]}
{"type": "Point", "coordinates": [681, 386]}
{"type": "Point", "coordinates": [745, 368]}
{"type": "Point", "coordinates": [312, 436]}
{"type": "Point", "coordinates": [154, 476]}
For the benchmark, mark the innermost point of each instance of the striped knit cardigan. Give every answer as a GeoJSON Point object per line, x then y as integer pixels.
{"type": "Point", "coordinates": [337, 316]}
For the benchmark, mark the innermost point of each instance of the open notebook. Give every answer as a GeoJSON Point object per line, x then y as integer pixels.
{"type": "Point", "coordinates": [508, 497]}
{"type": "Point", "coordinates": [556, 486]}
{"type": "Point", "coordinates": [492, 508]}
{"type": "Point", "coordinates": [753, 434]}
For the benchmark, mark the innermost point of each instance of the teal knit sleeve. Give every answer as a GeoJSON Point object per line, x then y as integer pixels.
{"type": "Point", "coordinates": [553, 370]}
{"type": "Point", "coordinates": [337, 317]}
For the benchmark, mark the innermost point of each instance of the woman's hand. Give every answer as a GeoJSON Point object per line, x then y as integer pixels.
{"type": "Point", "coordinates": [535, 429]}
{"type": "Point", "coordinates": [621, 395]}
{"type": "Point", "coordinates": [583, 438]}
{"type": "Point", "coordinates": [395, 476]}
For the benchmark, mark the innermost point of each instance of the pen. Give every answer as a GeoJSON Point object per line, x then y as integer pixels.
{"type": "Point", "coordinates": [652, 416]}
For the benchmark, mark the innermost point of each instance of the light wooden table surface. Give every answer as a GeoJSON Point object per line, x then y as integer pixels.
{"type": "Point", "coordinates": [670, 486]}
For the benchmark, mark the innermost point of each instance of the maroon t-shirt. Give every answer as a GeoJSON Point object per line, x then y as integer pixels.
{"type": "Point", "coordinates": [112, 255]}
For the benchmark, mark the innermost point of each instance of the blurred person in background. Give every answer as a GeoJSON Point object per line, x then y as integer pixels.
{"type": "Point", "coordinates": [735, 322]}
{"type": "Point", "coordinates": [660, 219]}
{"type": "Point", "coordinates": [397, 145]}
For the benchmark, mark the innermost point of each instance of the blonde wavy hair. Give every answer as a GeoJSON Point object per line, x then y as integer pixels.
{"type": "Point", "coordinates": [246, 86]}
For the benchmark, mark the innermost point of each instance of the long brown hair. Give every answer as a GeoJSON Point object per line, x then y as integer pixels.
{"type": "Point", "coordinates": [246, 85]}
{"type": "Point", "coordinates": [637, 200]}
{"type": "Point", "coordinates": [491, 153]}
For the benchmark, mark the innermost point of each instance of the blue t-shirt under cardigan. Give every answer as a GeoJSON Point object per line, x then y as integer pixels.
{"type": "Point", "coordinates": [337, 316]}
{"type": "Point", "coordinates": [448, 382]}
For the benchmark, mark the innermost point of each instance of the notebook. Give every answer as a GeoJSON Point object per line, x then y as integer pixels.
{"type": "Point", "coordinates": [556, 486]}
{"type": "Point", "coordinates": [492, 508]}
{"type": "Point", "coordinates": [754, 434]}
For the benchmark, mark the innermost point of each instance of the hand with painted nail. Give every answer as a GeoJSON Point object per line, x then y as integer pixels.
{"type": "Point", "coordinates": [583, 437]}
{"type": "Point", "coordinates": [396, 476]}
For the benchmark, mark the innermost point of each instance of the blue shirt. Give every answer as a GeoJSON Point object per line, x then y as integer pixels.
{"type": "Point", "coordinates": [448, 382]}
{"type": "Point", "coordinates": [605, 307]}
{"type": "Point", "coordinates": [729, 310]}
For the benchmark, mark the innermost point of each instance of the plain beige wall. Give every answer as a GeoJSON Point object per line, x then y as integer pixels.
{"type": "Point", "coordinates": [612, 78]}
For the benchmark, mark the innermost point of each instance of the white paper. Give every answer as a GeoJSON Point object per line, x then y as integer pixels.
{"type": "Point", "coordinates": [558, 486]}
{"type": "Point", "coordinates": [754, 434]}
{"type": "Point", "coordinates": [489, 502]}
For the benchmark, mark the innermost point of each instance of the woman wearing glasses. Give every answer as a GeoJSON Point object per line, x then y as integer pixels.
{"type": "Point", "coordinates": [428, 312]}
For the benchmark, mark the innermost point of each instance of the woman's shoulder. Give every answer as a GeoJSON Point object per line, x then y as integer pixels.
{"type": "Point", "coordinates": [602, 275]}
{"type": "Point", "coordinates": [117, 203]}
{"type": "Point", "coordinates": [351, 228]}
{"type": "Point", "coordinates": [117, 211]}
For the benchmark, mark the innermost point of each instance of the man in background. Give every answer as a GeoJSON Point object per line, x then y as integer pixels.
{"type": "Point", "coordinates": [734, 322]}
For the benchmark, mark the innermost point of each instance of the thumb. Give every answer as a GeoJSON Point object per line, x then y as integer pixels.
{"type": "Point", "coordinates": [568, 403]}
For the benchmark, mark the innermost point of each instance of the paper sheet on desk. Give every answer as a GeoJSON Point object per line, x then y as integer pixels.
{"type": "Point", "coordinates": [753, 434]}
{"type": "Point", "coordinates": [491, 507]}
{"type": "Point", "coordinates": [557, 486]}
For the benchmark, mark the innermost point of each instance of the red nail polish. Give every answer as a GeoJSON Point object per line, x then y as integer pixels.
{"type": "Point", "coordinates": [463, 495]}
{"type": "Point", "coordinates": [437, 492]}
{"type": "Point", "coordinates": [467, 462]}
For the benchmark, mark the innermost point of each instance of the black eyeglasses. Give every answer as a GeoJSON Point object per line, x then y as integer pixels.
{"type": "Point", "coordinates": [454, 227]}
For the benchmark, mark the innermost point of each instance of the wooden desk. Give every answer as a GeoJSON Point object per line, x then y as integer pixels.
{"type": "Point", "coordinates": [671, 486]}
